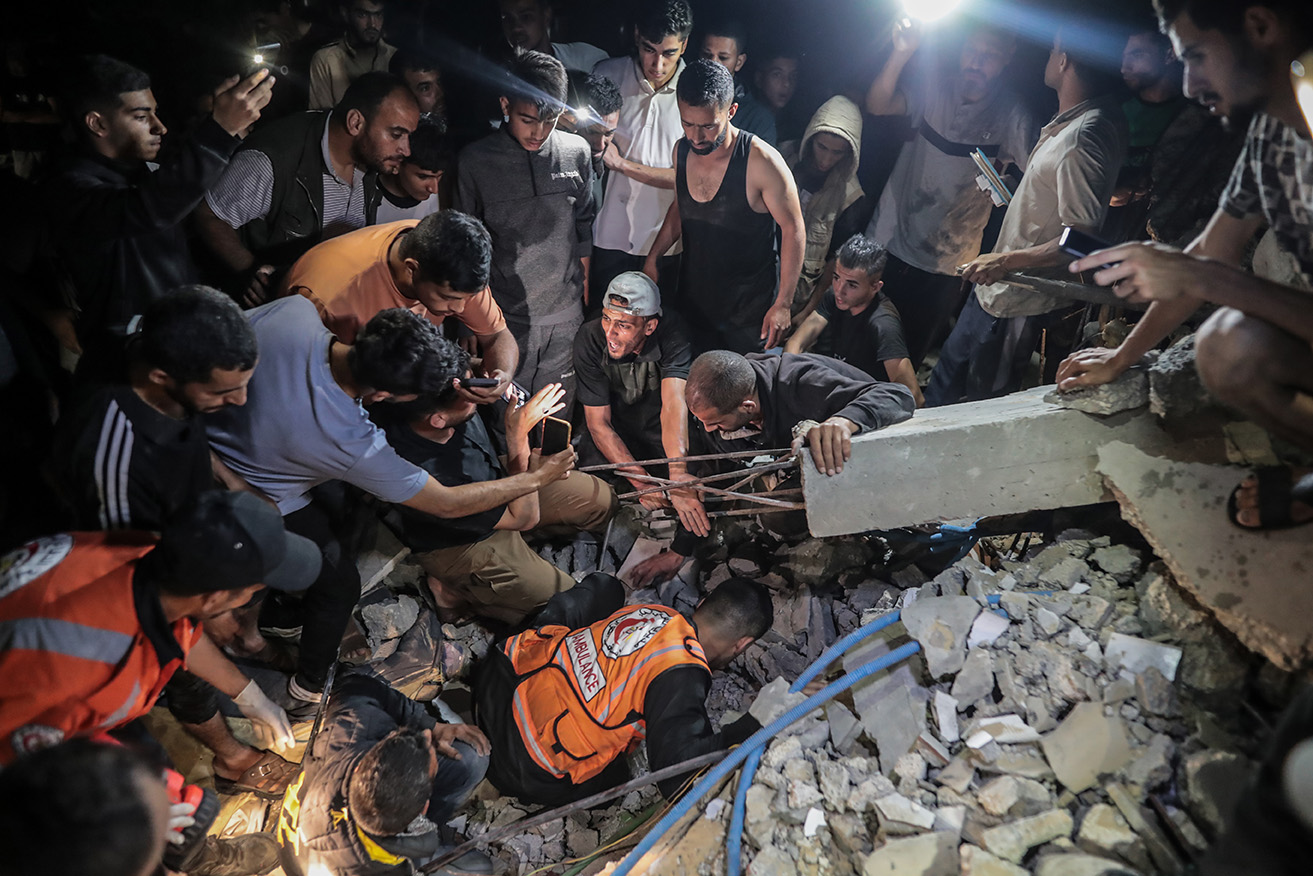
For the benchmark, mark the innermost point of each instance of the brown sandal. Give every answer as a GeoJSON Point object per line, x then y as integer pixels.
{"type": "Point", "coordinates": [267, 778]}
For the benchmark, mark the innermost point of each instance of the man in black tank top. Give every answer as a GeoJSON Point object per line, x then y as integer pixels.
{"type": "Point", "coordinates": [736, 208]}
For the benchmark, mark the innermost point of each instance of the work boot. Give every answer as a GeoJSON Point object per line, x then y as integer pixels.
{"type": "Point", "coordinates": [251, 855]}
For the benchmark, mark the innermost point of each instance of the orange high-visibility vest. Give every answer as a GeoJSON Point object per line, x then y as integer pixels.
{"type": "Point", "coordinates": [578, 703]}
{"type": "Point", "coordinates": [74, 658]}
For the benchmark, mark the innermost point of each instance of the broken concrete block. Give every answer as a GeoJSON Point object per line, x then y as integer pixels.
{"type": "Point", "coordinates": [844, 727]}
{"type": "Point", "coordinates": [1014, 796]}
{"type": "Point", "coordinates": [868, 790]}
{"type": "Point", "coordinates": [1152, 767]}
{"type": "Point", "coordinates": [1040, 456]}
{"type": "Point", "coordinates": [950, 819]}
{"type": "Point", "coordinates": [1004, 729]}
{"type": "Point", "coordinates": [957, 775]}
{"type": "Point", "coordinates": [1243, 577]}
{"type": "Point", "coordinates": [1126, 393]}
{"type": "Point", "coordinates": [1103, 831]}
{"type": "Point", "coordinates": [1155, 693]}
{"type": "Point", "coordinates": [1085, 746]}
{"type": "Point", "coordinates": [772, 861]}
{"type": "Point", "coordinates": [835, 783]}
{"type": "Point", "coordinates": [1214, 669]}
{"type": "Point", "coordinates": [774, 700]}
{"type": "Point", "coordinates": [1119, 561]}
{"type": "Point", "coordinates": [975, 861]}
{"type": "Point", "coordinates": [899, 814]}
{"type": "Point", "coordinates": [931, 854]}
{"type": "Point", "coordinates": [389, 620]}
{"type": "Point", "coordinates": [986, 629]}
{"type": "Point", "coordinates": [941, 625]}
{"type": "Point", "coordinates": [1211, 782]}
{"type": "Point", "coordinates": [945, 708]}
{"type": "Point", "coordinates": [1011, 841]}
{"type": "Point", "coordinates": [976, 680]}
{"type": "Point", "coordinates": [1079, 865]}
{"type": "Point", "coordinates": [893, 713]}
{"type": "Point", "coordinates": [1175, 390]}
{"type": "Point", "coordinates": [1130, 656]}
{"type": "Point", "coordinates": [1049, 623]}
{"type": "Point", "coordinates": [932, 750]}
{"type": "Point", "coordinates": [1164, 610]}
{"type": "Point", "coordinates": [1090, 612]}
{"type": "Point", "coordinates": [910, 767]}
{"type": "Point", "coordinates": [1155, 841]}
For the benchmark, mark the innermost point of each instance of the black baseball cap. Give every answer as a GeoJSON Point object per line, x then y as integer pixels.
{"type": "Point", "coordinates": [230, 540]}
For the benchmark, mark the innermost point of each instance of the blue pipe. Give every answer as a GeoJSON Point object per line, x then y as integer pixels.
{"type": "Point", "coordinates": [756, 741]}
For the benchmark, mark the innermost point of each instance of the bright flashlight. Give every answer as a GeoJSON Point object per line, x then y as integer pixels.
{"type": "Point", "coordinates": [1301, 77]}
{"type": "Point", "coordinates": [257, 59]}
{"type": "Point", "coordinates": [929, 10]}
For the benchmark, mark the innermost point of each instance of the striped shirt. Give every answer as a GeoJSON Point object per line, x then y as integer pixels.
{"type": "Point", "coordinates": [245, 192]}
{"type": "Point", "coordinates": [121, 464]}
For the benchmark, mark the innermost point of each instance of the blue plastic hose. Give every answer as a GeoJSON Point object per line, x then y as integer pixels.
{"type": "Point", "coordinates": [757, 741]}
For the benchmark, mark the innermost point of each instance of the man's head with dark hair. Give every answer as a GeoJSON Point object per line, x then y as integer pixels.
{"type": "Point", "coordinates": [721, 391]}
{"type": "Point", "coordinates": [110, 105]}
{"type": "Point", "coordinates": [445, 259]}
{"type": "Point", "coordinates": [858, 268]}
{"type": "Point", "coordinates": [986, 53]}
{"type": "Point", "coordinates": [595, 109]}
{"type": "Point", "coordinates": [439, 412]}
{"type": "Point", "coordinates": [364, 22]}
{"type": "Point", "coordinates": [1085, 55]}
{"type": "Point", "coordinates": [197, 348]}
{"type": "Point", "coordinates": [527, 24]}
{"type": "Point", "coordinates": [1148, 62]}
{"type": "Point", "coordinates": [391, 783]}
{"type": "Point", "coordinates": [536, 88]}
{"type": "Point", "coordinates": [82, 807]}
{"type": "Point", "coordinates": [398, 356]}
{"type": "Point", "coordinates": [430, 157]}
{"type": "Point", "coordinates": [732, 617]}
{"type": "Point", "coordinates": [422, 75]}
{"type": "Point", "coordinates": [725, 41]}
{"type": "Point", "coordinates": [706, 105]}
{"type": "Point", "coordinates": [776, 76]}
{"type": "Point", "coordinates": [661, 31]}
{"type": "Point", "coordinates": [1237, 53]}
{"type": "Point", "coordinates": [379, 113]}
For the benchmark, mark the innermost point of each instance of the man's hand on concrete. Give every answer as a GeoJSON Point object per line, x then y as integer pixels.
{"type": "Point", "coordinates": [543, 403]}
{"type": "Point", "coordinates": [776, 325]}
{"type": "Point", "coordinates": [237, 103]}
{"type": "Point", "coordinates": [1143, 271]}
{"type": "Point", "coordinates": [1092, 367]}
{"type": "Point", "coordinates": [830, 443]}
{"type": "Point", "coordinates": [269, 722]}
{"type": "Point", "coordinates": [257, 287]}
{"type": "Point", "coordinates": [551, 469]}
{"type": "Point", "coordinates": [986, 268]}
{"type": "Point", "coordinates": [655, 570]}
{"type": "Point", "coordinates": [445, 734]}
{"type": "Point", "coordinates": [688, 505]}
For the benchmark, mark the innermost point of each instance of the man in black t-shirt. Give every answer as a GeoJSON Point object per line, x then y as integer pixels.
{"type": "Point", "coordinates": [630, 367]}
{"type": "Point", "coordinates": [855, 323]}
{"type": "Point", "coordinates": [479, 564]}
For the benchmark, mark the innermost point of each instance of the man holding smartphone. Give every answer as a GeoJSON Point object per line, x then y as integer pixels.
{"type": "Point", "coordinates": [479, 564]}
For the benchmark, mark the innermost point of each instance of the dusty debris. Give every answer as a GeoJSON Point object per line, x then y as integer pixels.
{"type": "Point", "coordinates": [1126, 393]}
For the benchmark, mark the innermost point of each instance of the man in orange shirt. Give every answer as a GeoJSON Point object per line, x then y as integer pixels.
{"type": "Point", "coordinates": [436, 267]}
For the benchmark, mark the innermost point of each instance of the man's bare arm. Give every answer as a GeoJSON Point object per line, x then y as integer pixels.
{"type": "Point", "coordinates": [439, 500]}
{"type": "Point", "coordinates": [805, 337]}
{"type": "Point", "coordinates": [901, 371]}
{"type": "Point", "coordinates": [222, 239]}
{"type": "Point", "coordinates": [780, 194]}
{"type": "Point", "coordinates": [671, 230]}
{"type": "Point", "coordinates": [883, 97]}
{"type": "Point", "coordinates": [674, 441]}
{"type": "Point", "coordinates": [657, 177]}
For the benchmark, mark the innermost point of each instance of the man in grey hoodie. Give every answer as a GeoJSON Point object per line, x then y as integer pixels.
{"type": "Point", "coordinates": [532, 186]}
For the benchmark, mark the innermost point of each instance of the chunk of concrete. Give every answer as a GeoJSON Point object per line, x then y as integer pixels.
{"type": "Point", "coordinates": [1005, 729]}
{"type": "Point", "coordinates": [1127, 393]}
{"type": "Point", "coordinates": [1175, 390]}
{"type": "Point", "coordinates": [975, 861]}
{"type": "Point", "coordinates": [1079, 865]}
{"type": "Point", "coordinates": [1086, 745]}
{"type": "Point", "coordinates": [1155, 841]}
{"type": "Point", "coordinates": [976, 679]}
{"type": "Point", "coordinates": [941, 625]}
{"type": "Point", "coordinates": [1103, 831]}
{"type": "Point", "coordinates": [1011, 841]}
{"type": "Point", "coordinates": [897, 811]}
{"type": "Point", "coordinates": [945, 708]}
{"type": "Point", "coordinates": [1242, 577]}
{"type": "Point", "coordinates": [1212, 782]}
{"type": "Point", "coordinates": [986, 630]}
{"type": "Point", "coordinates": [931, 854]}
{"type": "Point", "coordinates": [1129, 656]}
{"type": "Point", "coordinates": [1000, 456]}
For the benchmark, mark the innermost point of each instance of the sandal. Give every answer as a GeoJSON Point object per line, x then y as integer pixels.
{"type": "Point", "coordinates": [268, 778]}
{"type": "Point", "coordinates": [1276, 485]}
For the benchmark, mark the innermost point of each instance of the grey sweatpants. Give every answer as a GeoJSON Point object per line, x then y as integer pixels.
{"type": "Point", "coordinates": [547, 356]}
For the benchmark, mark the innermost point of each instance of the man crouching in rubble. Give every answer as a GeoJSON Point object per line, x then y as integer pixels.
{"type": "Point", "coordinates": [764, 401]}
{"type": "Point", "coordinates": [564, 701]}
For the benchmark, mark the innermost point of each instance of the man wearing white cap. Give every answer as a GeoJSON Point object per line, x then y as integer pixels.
{"type": "Point", "coordinates": [630, 367]}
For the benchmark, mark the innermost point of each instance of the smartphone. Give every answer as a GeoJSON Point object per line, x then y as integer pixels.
{"type": "Point", "coordinates": [555, 435]}
{"type": "Point", "coordinates": [478, 382]}
{"type": "Point", "coordinates": [1078, 243]}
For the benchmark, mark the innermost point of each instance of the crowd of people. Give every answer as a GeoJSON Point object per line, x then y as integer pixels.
{"type": "Point", "coordinates": [378, 266]}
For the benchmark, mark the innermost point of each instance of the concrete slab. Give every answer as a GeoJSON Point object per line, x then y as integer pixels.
{"type": "Point", "coordinates": [376, 562]}
{"type": "Point", "coordinates": [1251, 581]}
{"type": "Point", "coordinates": [1001, 456]}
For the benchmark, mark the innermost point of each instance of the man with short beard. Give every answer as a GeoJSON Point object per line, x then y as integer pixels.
{"type": "Point", "coordinates": [1254, 353]}
{"type": "Point", "coordinates": [361, 50]}
{"type": "Point", "coordinates": [304, 179]}
{"type": "Point", "coordinates": [732, 189]}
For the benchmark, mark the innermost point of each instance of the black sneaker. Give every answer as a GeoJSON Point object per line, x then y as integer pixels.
{"type": "Point", "coordinates": [252, 855]}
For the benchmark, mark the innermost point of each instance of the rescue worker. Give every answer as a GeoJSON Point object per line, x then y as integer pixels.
{"type": "Point", "coordinates": [564, 701]}
{"type": "Point", "coordinates": [95, 624]}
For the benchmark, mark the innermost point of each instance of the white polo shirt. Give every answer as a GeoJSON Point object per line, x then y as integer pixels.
{"type": "Point", "coordinates": [632, 212]}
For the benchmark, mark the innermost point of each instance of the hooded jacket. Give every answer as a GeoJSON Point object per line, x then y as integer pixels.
{"type": "Point", "coordinates": [841, 117]}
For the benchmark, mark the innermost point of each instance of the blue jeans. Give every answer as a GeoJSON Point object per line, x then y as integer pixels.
{"type": "Point", "coordinates": [984, 357]}
{"type": "Point", "coordinates": [454, 781]}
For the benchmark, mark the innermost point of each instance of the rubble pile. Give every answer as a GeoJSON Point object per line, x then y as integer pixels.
{"type": "Point", "coordinates": [1038, 732]}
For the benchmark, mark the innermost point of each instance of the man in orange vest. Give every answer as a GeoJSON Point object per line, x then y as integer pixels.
{"type": "Point", "coordinates": [93, 625]}
{"type": "Point", "coordinates": [564, 701]}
